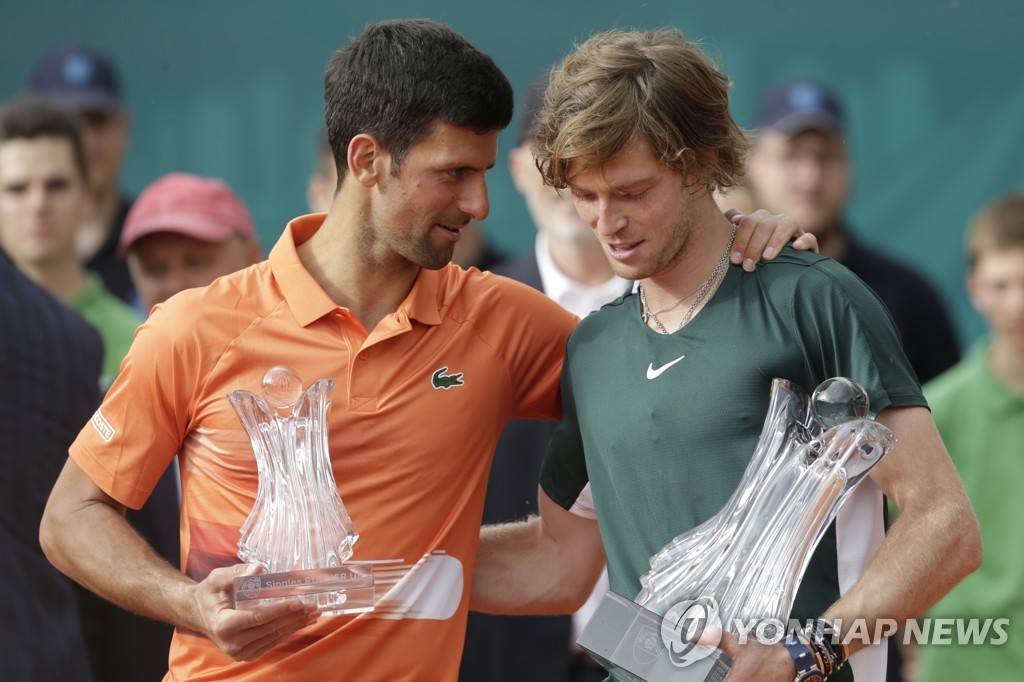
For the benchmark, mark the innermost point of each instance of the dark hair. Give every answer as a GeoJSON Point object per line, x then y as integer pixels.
{"type": "Point", "coordinates": [32, 116]}
{"type": "Point", "coordinates": [399, 77]}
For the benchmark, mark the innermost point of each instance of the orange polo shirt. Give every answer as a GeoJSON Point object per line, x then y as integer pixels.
{"type": "Point", "coordinates": [410, 459]}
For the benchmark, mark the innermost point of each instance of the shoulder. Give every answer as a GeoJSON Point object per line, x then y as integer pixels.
{"type": "Point", "coordinates": [804, 274]}
{"type": "Point", "coordinates": [475, 295]}
{"type": "Point", "coordinates": [791, 262]}
{"type": "Point", "coordinates": [214, 315]}
{"type": "Point", "coordinates": [614, 314]}
{"type": "Point", "coordinates": [51, 328]}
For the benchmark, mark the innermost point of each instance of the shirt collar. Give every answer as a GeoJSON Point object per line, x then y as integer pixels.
{"type": "Point", "coordinates": [1001, 397]}
{"type": "Point", "coordinates": [579, 299]}
{"type": "Point", "coordinates": [90, 293]}
{"type": "Point", "coordinates": [307, 299]}
{"type": "Point", "coordinates": [422, 302]}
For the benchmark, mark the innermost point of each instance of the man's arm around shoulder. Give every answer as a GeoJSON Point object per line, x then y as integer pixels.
{"type": "Point", "coordinates": [547, 564]}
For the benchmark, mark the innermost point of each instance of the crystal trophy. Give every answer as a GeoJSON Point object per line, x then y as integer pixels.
{"type": "Point", "coordinates": [745, 563]}
{"type": "Point", "coordinates": [298, 531]}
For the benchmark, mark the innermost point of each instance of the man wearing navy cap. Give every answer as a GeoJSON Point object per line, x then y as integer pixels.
{"type": "Point", "coordinates": [800, 166]}
{"type": "Point", "coordinates": [85, 81]}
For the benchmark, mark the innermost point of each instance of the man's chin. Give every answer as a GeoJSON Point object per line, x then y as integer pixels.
{"type": "Point", "coordinates": [434, 260]}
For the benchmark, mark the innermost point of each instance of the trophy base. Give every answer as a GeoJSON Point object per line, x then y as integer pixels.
{"type": "Point", "coordinates": [626, 638]}
{"type": "Point", "coordinates": [342, 589]}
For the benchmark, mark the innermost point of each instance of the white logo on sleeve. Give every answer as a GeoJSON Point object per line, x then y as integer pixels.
{"type": "Point", "coordinates": [655, 373]}
{"type": "Point", "coordinates": [102, 426]}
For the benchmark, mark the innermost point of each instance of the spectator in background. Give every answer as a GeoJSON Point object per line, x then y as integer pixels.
{"type": "Point", "coordinates": [979, 409]}
{"type": "Point", "coordinates": [800, 166]}
{"type": "Point", "coordinates": [85, 81]}
{"type": "Point", "coordinates": [43, 200]}
{"type": "Point", "coordinates": [472, 251]}
{"type": "Point", "coordinates": [49, 369]}
{"type": "Point", "coordinates": [184, 232]}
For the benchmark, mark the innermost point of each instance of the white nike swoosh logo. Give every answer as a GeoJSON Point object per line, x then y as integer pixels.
{"type": "Point", "coordinates": [655, 373]}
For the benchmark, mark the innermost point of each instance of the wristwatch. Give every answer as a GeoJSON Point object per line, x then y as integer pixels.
{"type": "Point", "coordinates": [807, 669]}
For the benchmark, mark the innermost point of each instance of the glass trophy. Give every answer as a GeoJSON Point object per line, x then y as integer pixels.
{"type": "Point", "coordinates": [746, 562]}
{"type": "Point", "coordinates": [298, 531]}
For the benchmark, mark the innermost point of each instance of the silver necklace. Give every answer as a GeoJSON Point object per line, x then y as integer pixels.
{"type": "Point", "coordinates": [709, 285]}
{"type": "Point", "coordinates": [670, 306]}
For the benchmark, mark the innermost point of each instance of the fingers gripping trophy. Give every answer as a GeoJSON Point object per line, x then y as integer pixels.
{"type": "Point", "coordinates": [298, 532]}
{"type": "Point", "coordinates": [746, 562]}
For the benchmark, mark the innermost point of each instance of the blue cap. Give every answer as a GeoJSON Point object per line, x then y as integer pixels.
{"type": "Point", "coordinates": [78, 77]}
{"type": "Point", "coordinates": [800, 105]}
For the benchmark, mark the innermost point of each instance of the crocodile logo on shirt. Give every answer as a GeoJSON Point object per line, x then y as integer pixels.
{"type": "Point", "coordinates": [446, 381]}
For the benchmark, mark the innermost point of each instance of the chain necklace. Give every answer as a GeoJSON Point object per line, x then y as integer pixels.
{"type": "Point", "coordinates": [670, 306]}
{"type": "Point", "coordinates": [705, 289]}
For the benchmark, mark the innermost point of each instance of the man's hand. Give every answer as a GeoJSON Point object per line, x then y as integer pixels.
{"type": "Point", "coordinates": [762, 235]}
{"type": "Point", "coordinates": [245, 634]}
{"type": "Point", "coordinates": [755, 661]}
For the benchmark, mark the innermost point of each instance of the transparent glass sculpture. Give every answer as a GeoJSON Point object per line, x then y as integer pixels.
{"type": "Point", "coordinates": [298, 532]}
{"type": "Point", "coordinates": [748, 560]}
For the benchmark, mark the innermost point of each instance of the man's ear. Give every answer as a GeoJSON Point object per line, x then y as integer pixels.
{"type": "Point", "coordinates": [367, 159]}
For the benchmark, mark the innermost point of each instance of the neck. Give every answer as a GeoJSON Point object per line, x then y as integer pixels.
{"type": "Point", "coordinates": [707, 240]}
{"type": "Point", "coordinates": [582, 260]}
{"type": "Point", "coordinates": [1006, 361]}
{"type": "Point", "coordinates": [93, 231]}
{"type": "Point", "coordinates": [356, 275]}
{"type": "Point", "coordinates": [679, 291]}
{"type": "Point", "coordinates": [65, 280]}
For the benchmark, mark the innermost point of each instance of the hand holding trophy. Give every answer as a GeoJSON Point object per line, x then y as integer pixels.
{"type": "Point", "coordinates": [746, 562]}
{"type": "Point", "coordinates": [298, 531]}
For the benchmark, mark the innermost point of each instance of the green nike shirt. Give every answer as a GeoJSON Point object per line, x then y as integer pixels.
{"type": "Point", "coordinates": [663, 426]}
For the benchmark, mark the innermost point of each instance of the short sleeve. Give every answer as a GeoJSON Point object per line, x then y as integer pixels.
{"type": "Point", "coordinates": [533, 348]}
{"type": "Point", "coordinates": [847, 331]}
{"type": "Point", "coordinates": [563, 475]}
{"type": "Point", "coordinates": [130, 440]}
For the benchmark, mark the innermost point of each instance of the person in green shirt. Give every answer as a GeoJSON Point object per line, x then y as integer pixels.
{"type": "Point", "coordinates": [43, 200]}
{"type": "Point", "coordinates": [665, 390]}
{"type": "Point", "coordinates": [978, 406]}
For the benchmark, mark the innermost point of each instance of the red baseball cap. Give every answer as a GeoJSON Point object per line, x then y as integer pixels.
{"type": "Point", "coordinates": [202, 208]}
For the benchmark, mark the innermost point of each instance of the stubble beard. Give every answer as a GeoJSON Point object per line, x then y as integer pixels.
{"type": "Point", "coordinates": [667, 256]}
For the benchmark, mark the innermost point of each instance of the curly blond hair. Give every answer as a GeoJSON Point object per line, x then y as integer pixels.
{"type": "Point", "coordinates": [655, 85]}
